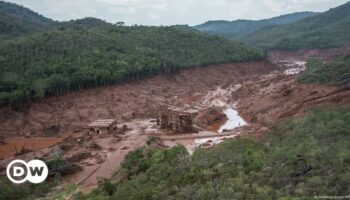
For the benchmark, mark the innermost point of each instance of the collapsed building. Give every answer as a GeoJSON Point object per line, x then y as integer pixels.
{"type": "Point", "coordinates": [102, 126]}
{"type": "Point", "coordinates": [179, 121]}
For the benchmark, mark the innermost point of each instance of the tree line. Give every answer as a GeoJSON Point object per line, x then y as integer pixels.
{"type": "Point", "coordinates": [77, 57]}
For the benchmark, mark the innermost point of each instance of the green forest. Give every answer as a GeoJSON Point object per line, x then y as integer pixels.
{"type": "Point", "coordinates": [16, 20]}
{"type": "Point", "coordinates": [335, 72]}
{"type": "Point", "coordinates": [240, 28]}
{"type": "Point", "coordinates": [328, 29]}
{"type": "Point", "coordinates": [89, 53]}
{"type": "Point", "coordinates": [299, 159]}
{"type": "Point", "coordinates": [53, 63]}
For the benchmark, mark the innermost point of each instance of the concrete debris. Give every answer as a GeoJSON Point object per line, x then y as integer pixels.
{"type": "Point", "coordinates": [178, 121]}
{"type": "Point", "coordinates": [102, 126]}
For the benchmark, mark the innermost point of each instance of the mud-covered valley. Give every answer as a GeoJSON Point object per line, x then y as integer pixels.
{"type": "Point", "coordinates": [246, 99]}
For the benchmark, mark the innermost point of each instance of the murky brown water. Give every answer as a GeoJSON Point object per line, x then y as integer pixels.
{"type": "Point", "coordinates": [14, 145]}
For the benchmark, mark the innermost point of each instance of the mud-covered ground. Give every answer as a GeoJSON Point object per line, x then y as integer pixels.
{"type": "Point", "coordinates": [125, 101]}
{"type": "Point", "coordinates": [261, 93]}
{"type": "Point", "coordinates": [59, 121]}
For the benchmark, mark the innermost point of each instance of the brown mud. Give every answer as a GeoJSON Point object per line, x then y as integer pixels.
{"type": "Point", "coordinates": [125, 101]}
{"type": "Point", "coordinates": [260, 92]}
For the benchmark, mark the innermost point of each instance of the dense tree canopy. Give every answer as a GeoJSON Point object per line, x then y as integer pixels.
{"type": "Point", "coordinates": [328, 29]}
{"type": "Point", "coordinates": [239, 28]}
{"type": "Point", "coordinates": [17, 20]}
{"type": "Point", "coordinates": [335, 72]}
{"type": "Point", "coordinates": [89, 53]}
{"type": "Point", "coordinates": [41, 57]}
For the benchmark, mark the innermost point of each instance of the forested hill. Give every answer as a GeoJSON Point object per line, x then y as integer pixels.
{"type": "Point", "coordinates": [41, 57]}
{"type": "Point", "coordinates": [329, 29]}
{"type": "Point", "coordinates": [239, 28]}
{"type": "Point", "coordinates": [88, 22]}
{"type": "Point", "coordinates": [72, 58]}
{"type": "Point", "coordinates": [16, 20]}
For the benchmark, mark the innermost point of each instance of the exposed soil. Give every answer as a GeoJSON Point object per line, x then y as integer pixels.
{"type": "Point", "coordinates": [125, 101]}
{"type": "Point", "coordinates": [210, 118]}
{"type": "Point", "coordinates": [276, 97]}
{"type": "Point", "coordinates": [135, 104]}
{"type": "Point", "coordinates": [304, 54]}
{"type": "Point", "coordinates": [260, 92]}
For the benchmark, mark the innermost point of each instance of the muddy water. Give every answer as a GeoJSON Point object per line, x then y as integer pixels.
{"type": "Point", "coordinates": [221, 98]}
{"type": "Point", "coordinates": [211, 141]}
{"type": "Point", "coordinates": [234, 120]}
{"type": "Point", "coordinates": [294, 67]}
{"type": "Point", "coordinates": [14, 145]}
{"type": "Point", "coordinates": [134, 138]}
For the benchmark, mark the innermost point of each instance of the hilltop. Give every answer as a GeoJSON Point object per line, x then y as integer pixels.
{"type": "Point", "coordinates": [239, 28]}
{"type": "Point", "coordinates": [193, 116]}
{"type": "Point", "coordinates": [90, 52]}
{"type": "Point", "coordinates": [328, 29]}
{"type": "Point", "coordinates": [17, 20]}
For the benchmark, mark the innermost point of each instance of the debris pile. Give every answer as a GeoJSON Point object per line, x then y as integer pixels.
{"type": "Point", "coordinates": [102, 126]}
{"type": "Point", "coordinates": [210, 116]}
{"type": "Point", "coordinates": [177, 120]}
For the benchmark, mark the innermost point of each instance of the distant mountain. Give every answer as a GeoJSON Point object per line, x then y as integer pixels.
{"type": "Point", "coordinates": [329, 29]}
{"type": "Point", "coordinates": [17, 20]}
{"type": "Point", "coordinates": [238, 28]}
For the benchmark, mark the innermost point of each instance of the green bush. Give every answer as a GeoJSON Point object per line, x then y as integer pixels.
{"type": "Point", "coordinates": [300, 158]}
{"type": "Point", "coordinates": [9, 190]}
{"type": "Point", "coordinates": [335, 72]}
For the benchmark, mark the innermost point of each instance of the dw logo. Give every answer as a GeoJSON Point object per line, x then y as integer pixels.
{"type": "Point", "coordinates": [19, 171]}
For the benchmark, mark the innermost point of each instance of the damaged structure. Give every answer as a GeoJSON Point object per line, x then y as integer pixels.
{"type": "Point", "coordinates": [179, 121]}
{"type": "Point", "coordinates": [102, 126]}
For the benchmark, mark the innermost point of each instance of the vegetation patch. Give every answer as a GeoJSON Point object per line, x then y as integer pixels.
{"type": "Point", "coordinates": [84, 55]}
{"type": "Point", "coordinates": [300, 158]}
{"type": "Point", "coordinates": [240, 28]}
{"type": "Point", "coordinates": [9, 190]}
{"type": "Point", "coordinates": [326, 30]}
{"type": "Point", "coordinates": [335, 72]}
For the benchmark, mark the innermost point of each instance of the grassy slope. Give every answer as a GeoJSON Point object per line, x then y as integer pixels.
{"type": "Point", "coordinates": [301, 158]}
{"type": "Point", "coordinates": [329, 29]}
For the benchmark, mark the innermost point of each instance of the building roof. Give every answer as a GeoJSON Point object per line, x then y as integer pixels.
{"type": "Point", "coordinates": [102, 123]}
